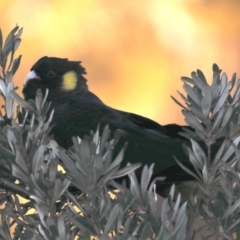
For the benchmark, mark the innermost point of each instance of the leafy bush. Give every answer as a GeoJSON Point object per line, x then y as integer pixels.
{"type": "Point", "coordinates": [37, 197]}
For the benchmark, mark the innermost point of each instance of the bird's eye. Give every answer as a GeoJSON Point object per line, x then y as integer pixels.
{"type": "Point", "coordinates": [51, 74]}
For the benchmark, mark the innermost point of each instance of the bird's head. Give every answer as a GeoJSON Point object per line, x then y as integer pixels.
{"type": "Point", "coordinates": [60, 76]}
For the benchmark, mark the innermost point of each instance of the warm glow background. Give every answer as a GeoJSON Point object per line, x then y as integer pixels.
{"type": "Point", "coordinates": [134, 51]}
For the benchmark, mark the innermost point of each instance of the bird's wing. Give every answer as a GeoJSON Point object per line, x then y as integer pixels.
{"type": "Point", "coordinates": [84, 112]}
{"type": "Point", "coordinates": [142, 121]}
{"type": "Point", "coordinates": [80, 114]}
{"type": "Point", "coordinates": [170, 130]}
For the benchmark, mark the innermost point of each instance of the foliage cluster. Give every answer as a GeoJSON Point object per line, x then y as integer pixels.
{"type": "Point", "coordinates": [37, 198]}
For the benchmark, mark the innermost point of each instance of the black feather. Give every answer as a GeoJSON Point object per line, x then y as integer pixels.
{"type": "Point", "coordinates": [78, 111]}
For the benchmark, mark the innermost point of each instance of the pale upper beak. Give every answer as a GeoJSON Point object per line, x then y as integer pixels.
{"type": "Point", "coordinates": [31, 75]}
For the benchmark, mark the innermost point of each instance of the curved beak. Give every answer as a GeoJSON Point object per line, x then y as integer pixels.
{"type": "Point", "coordinates": [31, 75]}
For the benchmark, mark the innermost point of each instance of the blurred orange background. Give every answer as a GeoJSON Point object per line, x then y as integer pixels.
{"type": "Point", "coordinates": [134, 51]}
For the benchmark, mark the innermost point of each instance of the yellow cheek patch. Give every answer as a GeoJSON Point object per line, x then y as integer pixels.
{"type": "Point", "coordinates": [69, 81]}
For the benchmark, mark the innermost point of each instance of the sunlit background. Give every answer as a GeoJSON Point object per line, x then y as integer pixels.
{"type": "Point", "coordinates": [135, 51]}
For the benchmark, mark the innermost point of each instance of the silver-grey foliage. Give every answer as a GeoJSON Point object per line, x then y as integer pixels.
{"type": "Point", "coordinates": [213, 112]}
{"type": "Point", "coordinates": [40, 201]}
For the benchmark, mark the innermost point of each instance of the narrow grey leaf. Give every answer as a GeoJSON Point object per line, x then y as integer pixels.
{"type": "Point", "coordinates": [9, 100]}
{"type": "Point", "coordinates": [17, 42]}
{"type": "Point", "coordinates": [39, 99]}
{"type": "Point", "coordinates": [205, 174]}
{"type": "Point", "coordinates": [85, 153]}
{"type": "Point", "coordinates": [201, 75]}
{"type": "Point", "coordinates": [206, 100]}
{"type": "Point", "coordinates": [236, 96]}
{"type": "Point", "coordinates": [227, 116]}
{"type": "Point", "coordinates": [61, 227]}
{"type": "Point", "coordinates": [176, 207]}
{"type": "Point", "coordinates": [16, 64]}
{"type": "Point", "coordinates": [19, 33]}
{"type": "Point", "coordinates": [82, 223]}
{"type": "Point", "coordinates": [3, 87]}
{"type": "Point", "coordinates": [197, 112]}
{"type": "Point", "coordinates": [192, 121]}
{"type": "Point", "coordinates": [216, 74]}
{"type": "Point", "coordinates": [144, 180]}
{"type": "Point", "coordinates": [14, 187]}
{"type": "Point", "coordinates": [227, 154]}
{"type": "Point", "coordinates": [146, 231]}
{"type": "Point", "coordinates": [223, 81]}
{"type": "Point", "coordinates": [231, 209]}
{"type": "Point", "coordinates": [111, 219]}
{"type": "Point", "coordinates": [21, 157]}
{"type": "Point", "coordinates": [105, 136]}
{"type": "Point", "coordinates": [187, 170]}
{"type": "Point", "coordinates": [197, 80]}
{"type": "Point", "coordinates": [98, 165]}
{"type": "Point", "coordinates": [8, 78]}
{"type": "Point", "coordinates": [134, 185]}
{"type": "Point", "coordinates": [176, 101]}
{"type": "Point", "coordinates": [124, 171]}
{"type": "Point", "coordinates": [198, 152]}
{"type": "Point", "coordinates": [1, 39]}
{"type": "Point", "coordinates": [184, 98]}
{"type": "Point", "coordinates": [37, 160]}
{"type": "Point", "coordinates": [21, 101]}
{"type": "Point", "coordinates": [219, 153]}
{"type": "Point", "coordinates": [117, 160]}
{"type": "Point", "coordinates": [188, 80]}
{"type": "Point", "coordinates": [19, 173]}
{"type": "Point", "coordinates": [219, 118]}
{"type": "Point", "coordinates": [222, 99]}
{"type": "Point", "coordinates": [191, 94]}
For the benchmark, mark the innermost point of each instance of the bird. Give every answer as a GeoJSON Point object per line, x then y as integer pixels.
{"type": "Point", "coordinates": [77, 111]}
